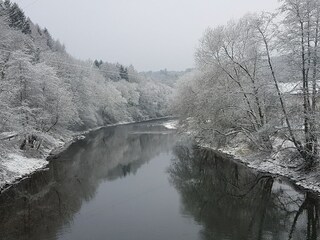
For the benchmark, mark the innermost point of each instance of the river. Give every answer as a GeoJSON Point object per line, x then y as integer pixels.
{"type": "Point", "coordinates": [139, 182]}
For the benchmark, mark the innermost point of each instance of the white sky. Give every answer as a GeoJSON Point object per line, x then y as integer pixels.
{"type": "Point", "coordinates": [150, 34]}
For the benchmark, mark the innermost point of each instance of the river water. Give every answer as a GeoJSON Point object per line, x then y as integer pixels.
{"type": "Point", "coordinates": [138, 182]}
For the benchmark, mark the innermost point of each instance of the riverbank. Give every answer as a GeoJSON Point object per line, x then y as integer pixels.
{"type": "Point", "coordinates": [280, 167]}
{"type": "Point", "coordinates": [274, 163]}
{"type": "Point", "coordinates": [16, 164]}
{"type": "Point", "coordinates": [282, 161]}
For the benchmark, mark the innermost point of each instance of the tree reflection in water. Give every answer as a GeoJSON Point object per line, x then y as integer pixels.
{"type": "Point", "coordinates": [231, 201]}
{"type": "Point", "coordinates": [45, 204]}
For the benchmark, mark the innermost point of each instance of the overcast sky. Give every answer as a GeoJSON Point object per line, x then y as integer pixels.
{"type": "Point", "coordinates": [150, 34]}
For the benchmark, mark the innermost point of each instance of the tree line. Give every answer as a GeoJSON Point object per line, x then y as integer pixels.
{"type": "Point", "coordinates": [44, 90]}
{"type": "Point", "coordinates": [257, 79]}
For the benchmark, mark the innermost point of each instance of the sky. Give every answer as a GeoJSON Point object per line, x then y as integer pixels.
{"type": "Point", "coordinates": [149, 34]}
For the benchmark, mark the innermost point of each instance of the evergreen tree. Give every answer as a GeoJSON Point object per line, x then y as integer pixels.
{"type": "Point", "coordinates": [124, 73]}
{"type": "Point", "coordinates": [26, 27]}
{"type": "Point", "coordinates": [36, 56]}
{"type": "Point", "coordinates": [97, 63]}
{"type": "Point", "coordinates": [17, 18]}
{"type": "Point", "coordinates": [50, 41]}
{"type": "Point", "coordinates": [7, 4]}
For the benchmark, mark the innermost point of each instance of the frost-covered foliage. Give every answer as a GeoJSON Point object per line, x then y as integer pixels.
{"type": "Point", "coordinates": [244, 69]}
{"type": "Point", "coordinates": [44, 90]}
{"type": "Point", "coordinates": [165, 76]}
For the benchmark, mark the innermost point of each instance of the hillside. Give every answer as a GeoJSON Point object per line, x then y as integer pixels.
{"type": "Point", "coordinates": [46, 95]}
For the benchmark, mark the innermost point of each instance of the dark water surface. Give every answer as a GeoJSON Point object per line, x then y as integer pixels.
{"type": "Point", "coordinates": [135, 182]}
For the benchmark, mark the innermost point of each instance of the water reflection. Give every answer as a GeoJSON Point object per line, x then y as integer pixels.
{"type": "Point", "coordinates": [231, 201]}
{"type": "Point", "coordinates": [40, 207]}
{"type": "Point", "coordinates": [100, 182]}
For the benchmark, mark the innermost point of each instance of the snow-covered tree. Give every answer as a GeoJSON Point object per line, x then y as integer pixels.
{"type": "Point", "coordinates": [44, 90]}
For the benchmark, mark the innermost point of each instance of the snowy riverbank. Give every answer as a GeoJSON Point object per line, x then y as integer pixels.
{"type": "Point", "coordinates": [275, 165]}
{"type": "Point", "coordinates": [278, 163]}
{"type": "Point", "coordinates": [16, 164]}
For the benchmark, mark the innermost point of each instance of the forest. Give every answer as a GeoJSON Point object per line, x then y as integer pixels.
{"type": "Point", "coordinates": [224, 147]}
{"type": "Point", "coordinates": [45, 92]}
{"type": "Point", "coordinates": [256, 86]}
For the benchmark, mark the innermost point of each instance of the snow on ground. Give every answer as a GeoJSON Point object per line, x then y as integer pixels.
{"type": "Point", "coordinates": [22, 165]}
{"type": "Point", "coordinates": [16, 166]}
{"type": "Point", "coordinates": [306, 180]}
{"type": "Point", "coordinates": [173, 124]}
{"type": "Point", "coordinates": [276, 163]}
{"type": "Point", "coordinates": [295, 88]}
{"type": "Point", "coordinates": [5, 135]}
{"type": "Point", "coordinates": [273, 164]}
